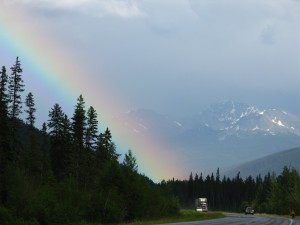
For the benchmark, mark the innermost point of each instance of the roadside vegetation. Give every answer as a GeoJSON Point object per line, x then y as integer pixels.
{"type": "Point", "coordinates": [183, 216]}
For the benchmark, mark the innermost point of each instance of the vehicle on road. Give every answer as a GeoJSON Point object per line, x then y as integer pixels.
{"type": "Point", "coordinates": [201, 205]}
{"type": "Point", "coordinates": [249, 210]}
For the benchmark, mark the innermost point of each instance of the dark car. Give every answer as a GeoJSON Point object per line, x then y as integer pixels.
{"type": "Point", "coordinates": [249, 210]}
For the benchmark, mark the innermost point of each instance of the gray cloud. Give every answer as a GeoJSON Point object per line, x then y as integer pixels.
{"type": "Point", "coordinates": [119, 8]}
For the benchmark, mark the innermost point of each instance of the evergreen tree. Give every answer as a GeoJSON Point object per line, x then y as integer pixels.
{"type": "Point", "coordinates": [16, 87]}
{"type": "Point", "coordinates": [30, 109]}
{"type": "Point", "coordinates": [5, 154]}
{"type": "Point", "coordinates": [191, 190]}
{"type": "Point", "coordinates": [33, 160]}
{"type": "Point", "coordinates": [90, 137]}
{"type": "Point", "coordinates": [55, 122]}
{"type": "Point", "coordinates": [3, 111]}
{"type": "Point", "coordinates": [3, 93]}
{"type": "Point", "coordinates": [67, 146]}
{"type": "Point", "coordinates": [91, 129]}
{"type": "Point", "coordinates": [129, 162]}
{"type": "Point", "coordinates": [57, 151]}
{"type": "Point", "coordinates": [45, 155]}
{"type": "Point", "coordinates": [106, 148]}
{"type": "Point", "coordinates": [79, 123]}
{"type": "Point", "coordinates": [78, 136]}
{"type": "Point", "coordinates": [285, 191]}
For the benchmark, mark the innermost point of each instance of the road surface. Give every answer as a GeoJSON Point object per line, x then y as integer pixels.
{"type": "Point", "coordinates": [240, 219]}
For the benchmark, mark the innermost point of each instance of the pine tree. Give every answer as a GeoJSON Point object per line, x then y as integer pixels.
{"type": "Point", "coordinates": [91, 129]}
{"type": "Point", "coordinates": [30, 109]}
{"type": "Point", "coordinates": [3, 110]}
{"type": "Point", "coordinates": [56, 129]}
{"type": "Point", "coordinates": [45, 155]}
{"type": "Point", "coordinates": [106, 147]}
{"type": "Point", "coordinates": [78, 136]}
{"type": "Point", "coordinates": [16, 87]}
{"type": "Point", "coordinates": [34, 157]}
{"type": "Point", "coordinates": [5, 155]}
{"type": "Point", "coordinates": [55, 122]}
{"type": "Point", "coordinates": [3, 93]}
{"type": "Point", "coordinates": [129, 162]}
{"type": "Point", "coordinates": [79, 123]}
{"type": "Point", "coordinates": [67, 146]}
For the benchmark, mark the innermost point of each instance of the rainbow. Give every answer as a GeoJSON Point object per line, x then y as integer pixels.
{"type": "Point", "coordinates": [48, 68]}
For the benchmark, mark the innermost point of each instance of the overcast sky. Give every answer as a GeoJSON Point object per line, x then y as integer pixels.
{"type": "Point", "coordinates": [178, 56]}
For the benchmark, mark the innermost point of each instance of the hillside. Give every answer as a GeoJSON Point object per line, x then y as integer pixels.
{"type": "Point", "coordinates": [271, 163]}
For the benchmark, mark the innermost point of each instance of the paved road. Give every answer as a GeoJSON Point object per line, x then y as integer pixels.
{"type": "Point", "coordinates": [239, 219]}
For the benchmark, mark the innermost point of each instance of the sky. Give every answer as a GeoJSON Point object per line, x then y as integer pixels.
{"type": "Point", "coordinates": [171, 56]}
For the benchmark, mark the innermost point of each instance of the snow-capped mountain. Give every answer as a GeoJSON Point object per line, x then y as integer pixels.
{"type": "Point", "coordinates": [233, 118]}
{"type": "Point", "coordinates": [221, 136]}
{"type": "Point", "coordinates": [228, 118]}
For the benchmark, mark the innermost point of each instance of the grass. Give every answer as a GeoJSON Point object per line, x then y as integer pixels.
{"type": "Point", "coordinates": [184, 216]}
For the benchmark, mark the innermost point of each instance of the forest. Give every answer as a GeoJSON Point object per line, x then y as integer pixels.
{"type": "Point", "coordinates": [68, 172]}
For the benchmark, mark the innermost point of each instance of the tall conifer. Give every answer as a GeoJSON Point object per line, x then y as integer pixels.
{"type": "Point", "coordinates": [78, 136]}
{"type": "Point", "coordinates": [30, 109]}
{"type": "Point", "coordinates": [16, 87]}
{"type": "Point", "coordinates": [56, 128]}
{"type": "Point", "coordinates": [5, 156]}
{"type": "Point", "coordinates": [91, 129]}
{"type": "Point", "coordinates": [79, 122]}
{"type": "Point", "coordinates": [34, 156]}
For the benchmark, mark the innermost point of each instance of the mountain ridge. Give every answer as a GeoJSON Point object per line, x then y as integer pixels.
{"type": "Point", "coordinates": [222, 136]}
{"type": "Point", "coordinates": [268, 164]}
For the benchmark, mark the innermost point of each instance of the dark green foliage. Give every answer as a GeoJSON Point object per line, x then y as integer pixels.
{"type": "Point", "coordinates": [271, 194]}
{"type": "Point", "coordinates": [285, 192]}
{"type": "Point", "coordinates": [6, 216]}
{"type": "Point", "coordinates": [58, 155]}
{"type": "Point", "coordinates": [30, 109]}
{"type": "Point", "coordinates": [5, 151]}
{"type": "Point", "coordinates": [130, 163]}
{"type": "Point", "coordinates": [92, 129]}
{"type": "Point", "coordinates": [3, 92]}
{"type": "Point", "coordinates": [106, 150]}
{"type": "Point", "coordinates": [79, 122]}
{"type": "Point", "coordinates": [67, 172]}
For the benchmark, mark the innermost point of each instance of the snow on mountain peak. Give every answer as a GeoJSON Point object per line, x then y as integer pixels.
{"type": "Point", "coordinates": [226, 119]}
{"type": "Point", "coordinates": [178, 123]}
{"type": "Point", "coordinates": [234, 117]}
{"type": "Point", "coordinates": [278, 122]}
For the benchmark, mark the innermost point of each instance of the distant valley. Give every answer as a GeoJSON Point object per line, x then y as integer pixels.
{"type": "Point", "coordinates": [225, 135]}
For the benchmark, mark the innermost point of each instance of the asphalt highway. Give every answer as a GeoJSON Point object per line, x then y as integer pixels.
{"type": "Point", "coordinates": [240, 219]}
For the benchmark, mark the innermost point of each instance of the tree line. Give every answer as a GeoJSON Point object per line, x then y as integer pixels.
{"type": "Point", "coordinates": [275, 194]}
{"type": "Point", "coordinates": [67, 171]}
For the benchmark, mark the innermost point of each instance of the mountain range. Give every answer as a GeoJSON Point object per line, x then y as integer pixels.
{"type": "Point", "coordinates": [224, 136]}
